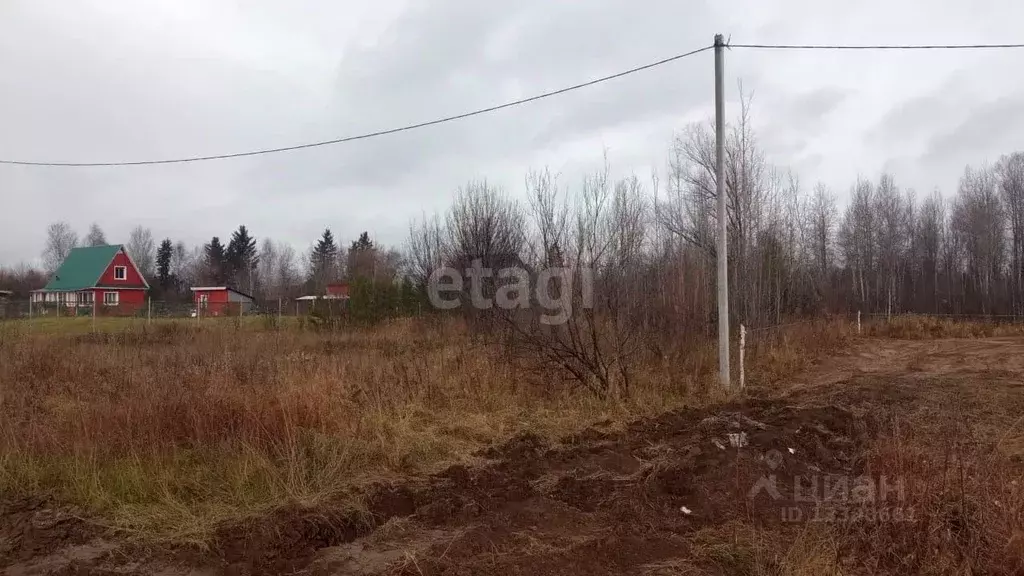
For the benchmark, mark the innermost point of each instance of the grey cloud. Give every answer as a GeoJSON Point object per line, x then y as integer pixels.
{"type": "Point", "coordinates": [797, 121]}
{"type": "Point", "coordinates": [432, 59]}
{"type": "Point", "coordinates": [991, 129]}
{"type": "Point", "coordinates": [99, 79]}
{"type": "Point", "coordinates": [447, 49]}
{"type": "Point", "coordinates": [809, 109]}
{"type": "Point", "coordinates": [906, 121]}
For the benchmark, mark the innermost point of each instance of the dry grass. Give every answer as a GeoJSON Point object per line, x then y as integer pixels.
{"type": "Point", "coordinates": [923, 327]}
{"type": "Point", "coordinates": [948, 438]}
{"type": "Point", "coordinates": [744, 549]}
{"type": "Point", "coordinates": [958, 505]}
{"type": "Point", "coordinates": [776, 355]}
{"type": "Point", "coordinates": [955, 443]}
{"type": "Point", "coordinates": [168, 429]}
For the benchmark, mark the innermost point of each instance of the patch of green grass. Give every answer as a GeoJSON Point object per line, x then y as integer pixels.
{"type": "Point", "coordinates": [87, 324]}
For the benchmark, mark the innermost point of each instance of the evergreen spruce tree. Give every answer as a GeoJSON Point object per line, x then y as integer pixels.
{"type": "Point", "coordinates": [241, 258]}
{"type": "Point", "coordinates": [324, 261]}
{"type": "Point", "coordinates": [216, 261]}
{"type": "Point", "coordinates": [362, 258]}
{"type": "Point", "coordinates": [163, 263]}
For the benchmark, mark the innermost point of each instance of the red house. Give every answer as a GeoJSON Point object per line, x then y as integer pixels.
{"type": "Point", "coordinates": [220, 301]}
{"type": "Point", "coordinates": [103, 279]}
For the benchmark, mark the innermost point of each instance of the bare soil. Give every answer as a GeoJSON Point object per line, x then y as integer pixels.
{"type": "Point", "coordinates": [679, 494]}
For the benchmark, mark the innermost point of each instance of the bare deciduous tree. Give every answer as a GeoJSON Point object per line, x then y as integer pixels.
{"type": "Point", "coordinates": [181, 266]}
{"type": "Point", "coordinates": [484, 224]}
{"type": "Point", "coordinates": [95, 237]}
{"type": "Point", "coordinates": [599, 247]}
{"type": "Point", "coordinates": [823, 220]}
{"type": "Point", "coordinates": [21, 279]}
{"type": "Point", "coordinates": [892, 214]}
{"type": "Point", "coordinates": [60, 239]}
{"type": "Point", "coordinates": [928, 241]}
{"type": "Point", "coordinates": [287, 273]}
{"type": "Point", "coordinates": [978, 220]}
{"type": "Point", "coordinates": [142, 248]}
{"type": "Point", "coordinates": [1010, 173]}
{"type": "Point", "coordinates": [266, 265]}
{"type": "Point", "coordinates": [426, 249]}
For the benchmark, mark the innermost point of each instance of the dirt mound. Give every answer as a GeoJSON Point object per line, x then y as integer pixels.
{"type": "Point", "coordinates": [286, 539]}
{"type": "Point", "coordinates": [31, 527]}
{"type": "Point", "coordinates": [609, 503]}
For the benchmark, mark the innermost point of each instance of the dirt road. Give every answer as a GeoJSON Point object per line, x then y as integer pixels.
{"type": "Point", "coordinates": [711, 491]}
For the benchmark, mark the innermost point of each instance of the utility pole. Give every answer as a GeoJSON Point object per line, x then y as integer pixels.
{"type": "Point", "coordinates": [722, 251]}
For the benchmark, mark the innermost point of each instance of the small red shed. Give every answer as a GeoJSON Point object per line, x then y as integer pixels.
{"type": "Point", "coordinates": [337, 291]}
{"type": "Point", "coordinates": [220, 301]}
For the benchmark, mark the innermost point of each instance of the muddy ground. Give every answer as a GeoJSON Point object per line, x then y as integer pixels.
{"type": "Point", "coordinates": [711, 491]}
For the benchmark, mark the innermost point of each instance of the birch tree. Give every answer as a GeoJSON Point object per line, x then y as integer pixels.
{"type": "Point", "coordinates": [60, 239]}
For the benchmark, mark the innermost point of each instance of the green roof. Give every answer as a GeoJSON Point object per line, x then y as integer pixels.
{"type": "Point", "coordinates": [82, 268]}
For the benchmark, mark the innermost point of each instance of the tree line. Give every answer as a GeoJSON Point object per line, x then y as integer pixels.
{"type": "Point", "coordinates": [266, 269]}
{"type": "Point", "coordinates": [649, 249]}
{"type": "Point", "coordinates": [792, 249]}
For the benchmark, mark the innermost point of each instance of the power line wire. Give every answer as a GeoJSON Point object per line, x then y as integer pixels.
{"type": "Point", "coordinates": [520, 101]}
{"type": "Point", "coordinates": [876, 46]}
{"type": "Point", "coordinates": [372, 134]}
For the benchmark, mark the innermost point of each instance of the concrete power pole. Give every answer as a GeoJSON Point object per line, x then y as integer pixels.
{"type": "Point", "coordinates": [722, 250]}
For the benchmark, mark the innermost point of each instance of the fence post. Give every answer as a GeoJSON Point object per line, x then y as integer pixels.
{"type": "Point", "coordinates": [30, 308]}
{"type": "Point", "coordinates": [279, 310]}
{"type": "Point", "coordinates": [743, 347]}
{"type": "Point", "coordinates": [94, 312]}
{"type": "Point", "coordinates": [149, 310]}
{"type": "Point", "coordinates": [858, 322]}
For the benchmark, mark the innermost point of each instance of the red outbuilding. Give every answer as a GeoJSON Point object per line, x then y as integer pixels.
{"type": "Point", "coordinates": [220, 301]}
{"type": "Point", "coordinates": [336, 292]}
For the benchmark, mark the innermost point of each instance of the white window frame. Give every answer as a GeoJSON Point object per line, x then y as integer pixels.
{"type": "Point", "coordinates": [123, 272]}
{"type": "Point", "coordinates": [108, 301]}
{"type": "Point", "coordinates": [204, 301]}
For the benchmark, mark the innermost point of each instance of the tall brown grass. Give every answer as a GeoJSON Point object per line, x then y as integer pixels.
{"type": "Point", "coordinates": [170, 429]}
{"type": "Point", "coordinates": [924, 327]}
{"type": "Point", "coordinates": [961, 506]}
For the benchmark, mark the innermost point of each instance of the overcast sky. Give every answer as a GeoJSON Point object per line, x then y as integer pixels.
{"type": "Point", "coordinates": [123, 80]}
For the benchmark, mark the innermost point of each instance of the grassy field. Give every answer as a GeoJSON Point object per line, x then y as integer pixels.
{"type": "Point", "coordinates": [261, 445]}
{"type": "Point", "coordinates": [169, 428]}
